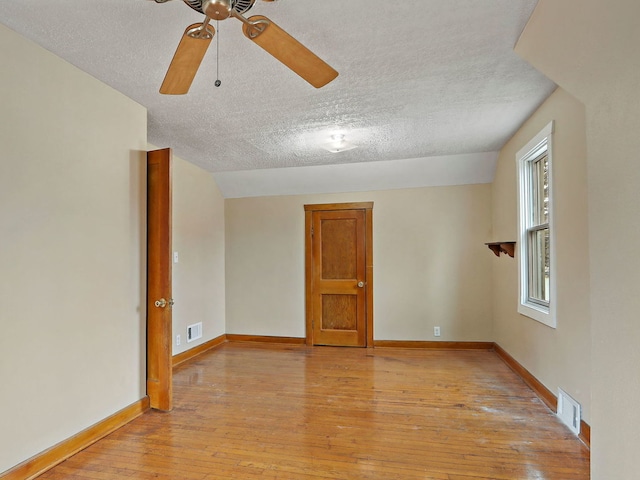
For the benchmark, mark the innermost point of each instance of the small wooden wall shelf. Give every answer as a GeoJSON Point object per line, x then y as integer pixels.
{"type": "Point", "coordinates": [502, 247]}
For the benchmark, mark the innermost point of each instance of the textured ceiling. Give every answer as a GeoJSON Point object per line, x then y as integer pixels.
{"type": "Point", "coordinates": [417, 79]}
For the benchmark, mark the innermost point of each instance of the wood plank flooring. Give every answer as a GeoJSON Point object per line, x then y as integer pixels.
{"type": "Point", "coordinates": [257, 412]}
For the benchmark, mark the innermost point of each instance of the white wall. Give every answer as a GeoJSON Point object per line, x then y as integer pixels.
{"type": "Point", "coordinates": [431, 266]}
{"type": "Point", "coordinates": [590, 48]}
{"type": "Point", "coordinates": [198, 237]}
{"type": "Point", "coordinates": [72, 250]}
{"type": "Point", "coordinates": [560, 357]}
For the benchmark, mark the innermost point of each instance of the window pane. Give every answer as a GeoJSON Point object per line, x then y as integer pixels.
{"type": "Point", "coordinates": [539, 263]}
{"type": "Point", "coordinates": [540, 190]}
{"type": "Point", "coordinates": [534, 161]}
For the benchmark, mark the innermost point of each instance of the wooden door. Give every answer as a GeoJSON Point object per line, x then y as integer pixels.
{"type": "Point", "coordinates": [339, 275]}
{"type": "Point", "coordinates": [159, 301]}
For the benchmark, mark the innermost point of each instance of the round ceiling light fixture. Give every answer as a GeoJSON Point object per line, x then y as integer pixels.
{"type": "Point", "coordinates": [338, 144]}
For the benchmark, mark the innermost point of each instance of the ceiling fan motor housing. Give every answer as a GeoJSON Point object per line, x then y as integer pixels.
{"type": "Point", "coordinates": [222, 6]}
{"type": "Point", "coordinates": [242, 6]}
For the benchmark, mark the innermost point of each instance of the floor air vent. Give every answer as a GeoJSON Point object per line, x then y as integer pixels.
{"type": "Point", "coordinates": [194, 332]}
{"type": "Point", "coordinates": [569, 411]}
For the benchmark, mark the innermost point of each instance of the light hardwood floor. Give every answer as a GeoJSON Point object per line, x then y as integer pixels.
{"type": "Point", "coordinates": [249, 411]}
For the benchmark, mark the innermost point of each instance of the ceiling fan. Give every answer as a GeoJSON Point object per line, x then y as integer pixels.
{"type": "Point", "coordinates": [258, 28]}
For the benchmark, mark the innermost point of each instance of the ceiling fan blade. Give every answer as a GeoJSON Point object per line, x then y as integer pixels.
{"type": "Point", "coordinates": [288, 50]}
{"type": "Point", "coordinates": [187, 59]}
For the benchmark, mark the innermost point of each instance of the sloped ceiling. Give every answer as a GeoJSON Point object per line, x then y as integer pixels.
{"type": "Point", "coordinates": [434, 78]}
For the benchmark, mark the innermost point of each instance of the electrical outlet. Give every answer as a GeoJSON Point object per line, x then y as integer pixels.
{"type": "Point", "coordinates": [436, 331]}
{"type": "Point", "coordinates": [177, 340]}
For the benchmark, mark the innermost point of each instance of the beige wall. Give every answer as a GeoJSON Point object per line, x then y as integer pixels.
{"type": "Point", "coordinates": [198, 237]}
{"type": "Point", "coordinates": [72, 243]}
{"type": "Point", "coordinates": [560, 357]}
{"type": "Point", "coordinates": [590, 48]}
{"type": "Point", "coordinates": [72, 250]}
{"type": "Point", "coordinates": [430, 263]}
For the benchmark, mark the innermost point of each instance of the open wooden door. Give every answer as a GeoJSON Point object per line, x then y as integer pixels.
{"type": "Point", "coordinates": [159, 300]}
{"type": "Point", "coordinates": [339, 274]}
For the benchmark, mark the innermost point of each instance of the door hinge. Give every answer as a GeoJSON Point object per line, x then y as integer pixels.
{"type": "Point", "coordinates": [312, 231]}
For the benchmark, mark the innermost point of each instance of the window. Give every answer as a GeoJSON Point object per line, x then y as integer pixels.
{"type": "Point", "coordinates": [536, 256]}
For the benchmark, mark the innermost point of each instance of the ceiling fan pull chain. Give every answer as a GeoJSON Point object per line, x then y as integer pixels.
{"type": "Point", "coordinates": [218, 82]}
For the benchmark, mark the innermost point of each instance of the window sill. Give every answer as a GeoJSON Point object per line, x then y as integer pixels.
{"type": "Point", "coordinates": [543, 315]}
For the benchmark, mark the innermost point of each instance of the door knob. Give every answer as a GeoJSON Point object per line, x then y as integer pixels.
{"type": "Point", "coordinates": [360, 284]}
{"type": "Point", "coordinates": [160, 303]}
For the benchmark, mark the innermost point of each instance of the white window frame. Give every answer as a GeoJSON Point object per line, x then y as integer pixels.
{"type": "Point", "coordinates": [545, 314]}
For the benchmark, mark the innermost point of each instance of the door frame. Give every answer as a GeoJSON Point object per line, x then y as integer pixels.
{"type": "Point", "coordinates": [308, 224]}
